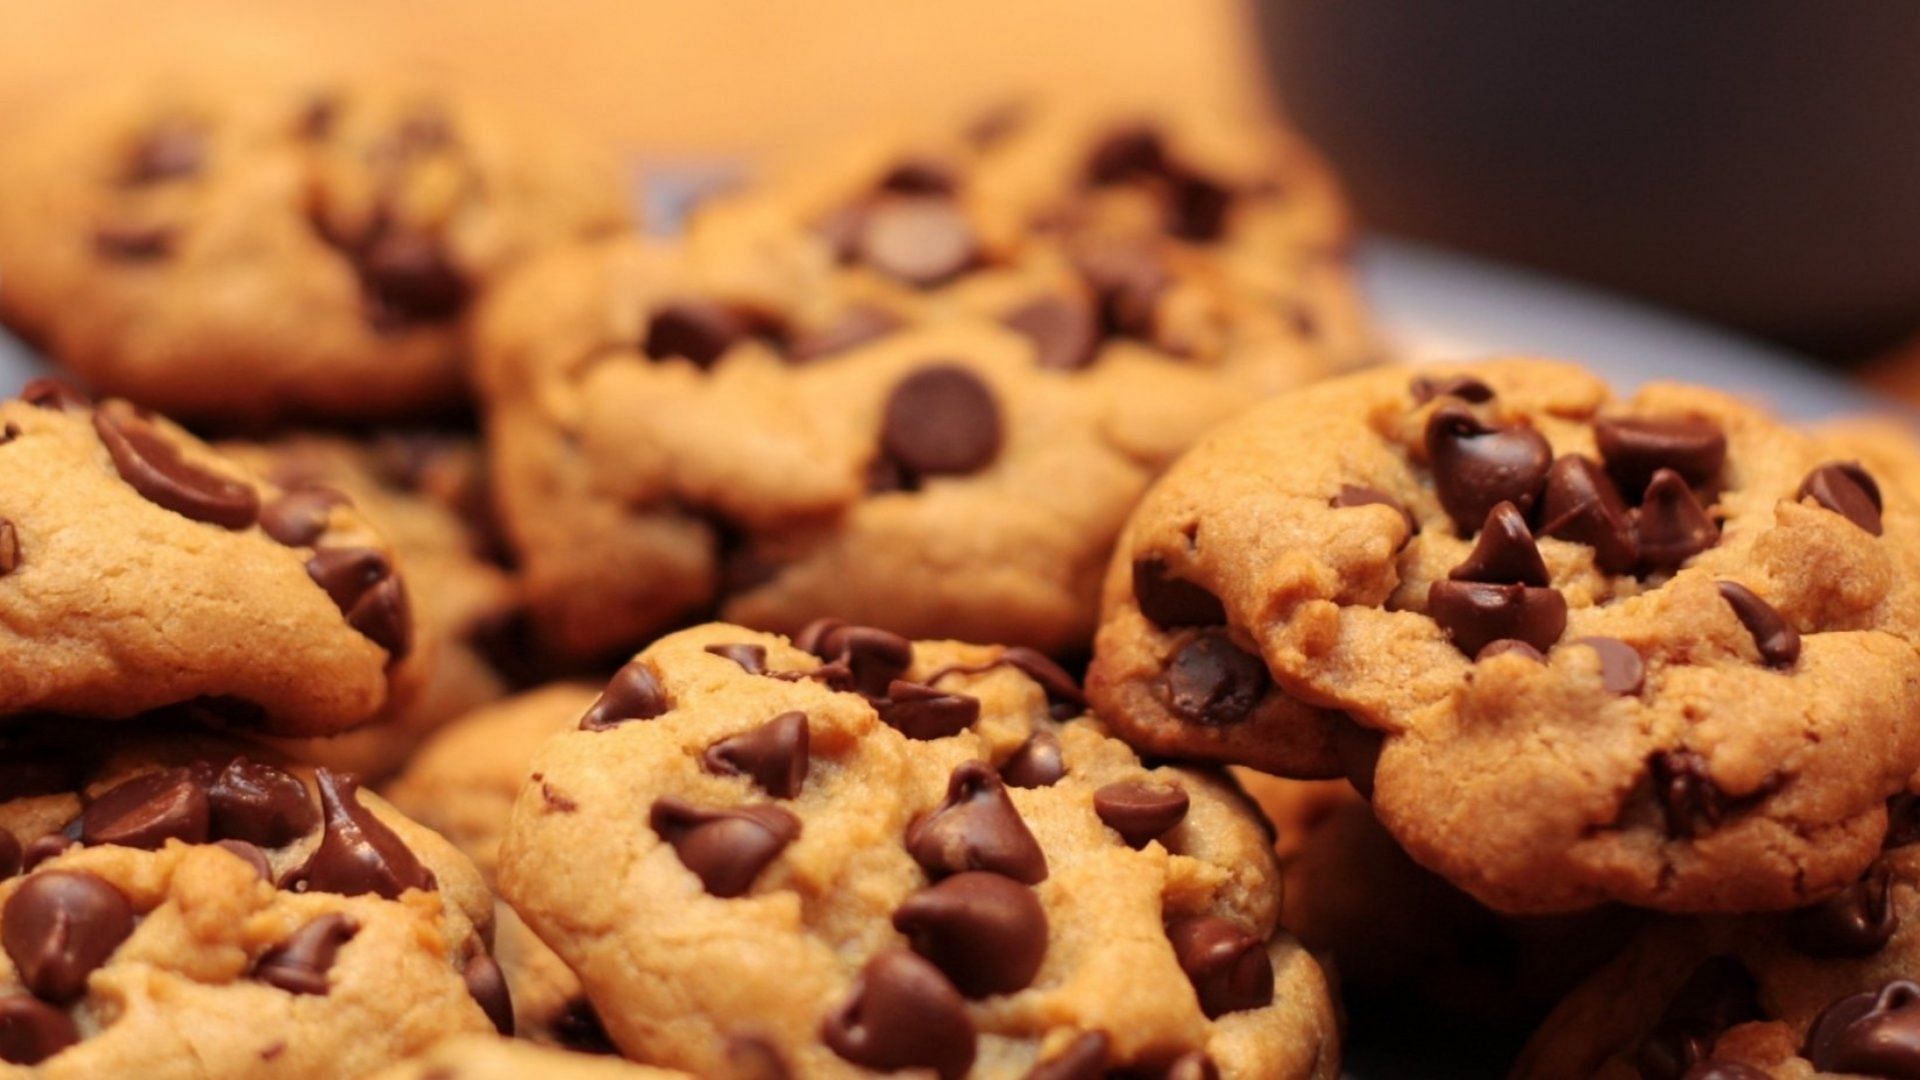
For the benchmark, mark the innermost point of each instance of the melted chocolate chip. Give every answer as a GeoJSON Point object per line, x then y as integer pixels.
{"type": "Point", "coordinates": [859, 658]}
{"type": "Point", "coordinates": [1064, 696]}
{"type": "Point", "coordinates": [751, 658]}
{"type": "Point", "coordinates": [1141, 811]}
{"type": "Point", "coordinates": [247, 853]}
{"type": "Point", "coordinates": [1126, 153]}
{"type": "Point", "coordinates": [1671, 526]}
{"type": "Point", "coordinates": [986, 933]}
{"type": "Point", "coordinates": [1636, 448]}
{"type": "Point", "coordinates": [152, 465]}
{"type": "Point", "coordinates": [1210, 680]}
{"type": "Point", "coordinates": [487, 985]}
{"type": "Point", "coordinates": [1777, 640]}
{"type": "Point", "coordinates": [1065, 331]}
{"type": "Point", "coordinates": [1038, 763]}
{"type": "Point", "coordinates": [976, 827]}
{"type": "Point", "coordinates": [1876, 1033]}
{"type": "Point", "coordinates": [1352, 495]}
{"type": "Point", "coordinates": [357, 854]}
{"type": "Point", "coordinates": [697, 330]}
{"type": "Point", "coordinates": [1171, 602]}
{"type": "Point", "coordinates": [1582, 505]}
{"type": "Point", "coordinates": [1718, 995]}
{"type": "Point", "coordinates": [299, 965]}
{"type": "Point", "coordinates": [1465, 387]}
{"type": "Point", "coordinates": [855, 327]}
{"type": "Point", "coordinates": [299, 518]}
{"type": "Point", "coordinates": [60, 925]}
{"type": "Point", "coordinates": [408, 278]}
{"type": "Point", "coordinates": [147, 811]}
{"type": "Point", "coordinates": [921, 176]}
{"type": "Point", "coordinates": [1196, 206]}
{"type": "Point", "coordinates": [902, 1014]}
{"type": "Point", "coordinates": [726, 849]}
{"type": "Point", "coordinates": [1859, 921]}
{"type": "Point", "coordinates": [260, 804]}
{"type": "Point", "coordinates": [1128, 280]}
{"type": "Point", "coordinates": [31, 1031]}
{"type": "Point", "coordinates": [361, 582]}
{"type": "Point", "coordinates": [634, 694]}
{"type": "Point", "coordinates": [578, 1028]}
{"type": "Point", "coordinates": [1229, 968]}
{"type": "Point", "coordinates": [1691, 804]}
{"type": "Point", "coordinates": [773, 755]}
{"type": "Point", "coordinates": [1476, 466]}
{"type": "Point", "coordinates": [1476, 614]}
{"type": "Point", "coordinates": [941, 420]}
{"type": "Point", "coordinates": [1085, 1058]}
{"type": "Point", "coordinates": [1847, 489]}
{"type": "Point", "coordinates": [921, 712]}
{"type": "Point", "coordinates": [920, 241]}
{"type": "Point", "coordinates": [1622, 671]}
{"type": "Point", "coordinates": [1505, 553]}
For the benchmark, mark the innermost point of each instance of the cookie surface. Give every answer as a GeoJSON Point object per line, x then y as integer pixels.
{"type": "Point", "coordinates": [481, 1058]}
{"type": "Point", "coordinates": [248, 254]}
{"type": "Point", "coordinates": [1658, 650]}
{"type": "Point", "coordinates": [751, 871]}
{"type": "Point", "coordinates": [143, 570]}
{"type": "Point", "coordinates": [189, 907]}
{"type": "Point", "coordinates": [745, 423]}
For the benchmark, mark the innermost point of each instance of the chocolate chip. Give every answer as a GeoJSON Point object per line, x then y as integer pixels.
{"type": "Point", "coordinates": [921, 241]}
{"type": "Point", "coordinates": [986, 933]}
{"type": "Point", "coordinates": [1465, 387]}
{"type": "Point", "coordinates": [260, 804]}
{"type": "Point", "coordinates": [578, 1028]}
{"type": "Point", "coordinates": [1857, 922]}
{"type": "Point", "coordinates": [1128, 280]}
{"type": "Point", "coordinates": [751, 658]}
{"type": "Point", "coordinates": [1671, 525]}
{"type": "Point", "coordinates": [920, 176]}
{"type": "Point", "coordinates": [10, 854]}
{"type": "Point", "coordinates": [1876, 1033]}
{"type": "Point", "coordinates": [921, 712]}
{"type": "Point", "coordinates": [1475, 614]}
{"type": "Point", "coordinates": [409, 278]}
{"type": "Point", "coordinates": [1622, 671]}
{"type": "Point", "coordinates": [1065, 698]}
{"type": "Point", "coordinates": [1582, 505]}
{"type": "Point", "coordinates": [862, 659]}
{"type": "Point", "coordinates": [977, 827]}
{"type": "Point", "coordinates": [1126, 153]}
{"type": "Point", "coordinates": [635, 693]}
{"type": "Point", "coordinates": [44, 848]}
{"type": "Point", "coordinates": [1140, 810]}
{"type": "Point", "coordinates": [1847, 489]}
{"type": "Point", "coordinates": [1352, 495]}
{"type": "Point", "coordinates": [9, 547]}
{"type": "Point", "coordinates": [172, 151]}
{"type": "Point", "coordinates": [1210, 680]}
{"type": "Point", "coordinates": [1903, 821]}
{"type": "Point", "coordinates": [1504, 646]}
{"type": "Point", "coordinates": [130, 242]}
{"type": "Point", "coordinates": [1171, 602]}
{"type": "Point", "coordinates": [1635, 448]}
{"type": "Point", "coordinates": [1691, 804]}
{"type": "Point", "coordinates": [249, 854]}
{"type": "Point", "coordinates": [54, 395]}
{"type": "Point", "coordinates": [725, 849]}
{"type": "Point", "coordinates": [1718, 995]}
{"type": "Point", "coordinates": [1038, 763]}
{"type": "Point", "coordinates": [31, 1031]}
{"type": "Point", "coordinates": [855, 327]}
{"type": "Point", "coordinates": [298, 518]}
{"type": "Point", "coordinates": [902, 1014]}
{"type": "Point", "coordinates": [1505, 553]}
{"type": "Point", "coordinates": [147, 811]}
{"type": "Point", "coordinates": [299, 965]}
{"type": "Point", "coordinates": [152, 465]}
{"type": "Point", "coordinates": [697, 330]}
{"type": "Point", "coordinates": [1065, 331]}
{"type": "Point", "coordinates": [1229, 968]}
{"type": "Point", "coordinates": [487, 985]}
{"type": "Point", "coordinates": [941, 420]}
{"type": "Point", "coordinates": [357, 854]}
{"type": "Point", "coordinates": [361, 582]}
{"type": "Point", "coordinates": [1777, 640]}
{"type": "Point", "coordinates": [1196, 206]}
{"type": "Point", "coordinates": [1476, 467]}
{"type": "Point", "coordinates": [1085, 1058]}
{"type": "Point", "coordinates": [774, 755]}
{"type": "Point", "coordinates": [60, 925]}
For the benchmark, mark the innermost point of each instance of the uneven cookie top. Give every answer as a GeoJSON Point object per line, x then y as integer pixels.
{"type": "Point", "coordinates": [140, 569]}
{"type": "Point", "coordinates": [282, 250]}
{"type": "Point", "coordinates": [477, 1057]}
{"type": "Point", "coordinates": [186, 906]}
{"type": "Point", "coordinates": [1658, 650]}
{"type": "Point", "coordinates": [1823, 990]}
{"type": "Point", "coordinates": [869, 855]}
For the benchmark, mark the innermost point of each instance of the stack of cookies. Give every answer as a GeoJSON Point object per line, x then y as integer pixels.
{"type": "Point", "coordinates": [814, 644]}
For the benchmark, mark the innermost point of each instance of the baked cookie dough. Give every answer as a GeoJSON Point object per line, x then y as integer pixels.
{"type": "Point", "coordinates": [180, 906]}
{"type": "Point", "coordinates": [476, 1057]}
{"type": "Point", "coordinates": [1658, 650]}
{"type": "Point", "coordinates": [249, 252]}
{"type": "Point", "coordinates": [868, 855]}
{"type": "Point", "coordinates": [140, 569]}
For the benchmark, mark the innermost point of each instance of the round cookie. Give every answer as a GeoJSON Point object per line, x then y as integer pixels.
{"type": "Point", "coordinates": [752, 871]}
{"type": "Point", "coordinates": [1657, 650]}
{"type": "Point", "coordinates": [140, 569]}
{"type": "Point", "coordinates": [182, 906]}
{"type": "Point", "coordinates": [246, 253]}
{"type": "Point", "coordinates": [1816, 992]}
{"type": "Point", "coordinates": [476, 1057]}
{"type": "Point", "coordinates": [459, 599]}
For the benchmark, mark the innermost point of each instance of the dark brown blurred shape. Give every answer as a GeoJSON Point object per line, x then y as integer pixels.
{"type": "Point", "coordinates": [1754, 163]}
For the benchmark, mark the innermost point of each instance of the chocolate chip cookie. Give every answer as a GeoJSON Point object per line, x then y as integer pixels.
{"type": "Point", "coordinates": [477, 1057]}
{"type": "Point", "coordinates": [859, 854]}
{"type": "Point", "coordinates": [184, 906]}
{"type": "Point", "coordinates": [140, 569]}
{"type": "Point", "coordinates": [1823, 990]}
{"type": "Point", "coordinates": [1657, 650]}
{"type": "Point", "coordinates": [248, 252]}
{"type": "Point", "coordinates": [416, 489]}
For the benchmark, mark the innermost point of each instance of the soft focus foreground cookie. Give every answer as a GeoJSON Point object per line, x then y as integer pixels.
{"type": "Point", "coordinates": [415, 490]}
{"type": "Point", "coordinates": [140, 569]}
{"type": "Point", "coordinates": [1827, 989]}
{"type": "Point", "coordinates": [476, 1057]}
{"type": "Point", "coordinates": [184, 907]}
{"type": "Point", "coordinates": [1658, 650]}
{"type": "Point", "coordinates": [870, 855]}
{"type": "Point", "coordinates": [248, 251]}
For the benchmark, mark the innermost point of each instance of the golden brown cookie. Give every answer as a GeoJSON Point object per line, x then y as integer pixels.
{"type": "Point", "coordinates": [477, 1057]}
{"type": "Point", "coordinates": [1658, 650]}
{"type": "Point", "coordinates": [870, 855]}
